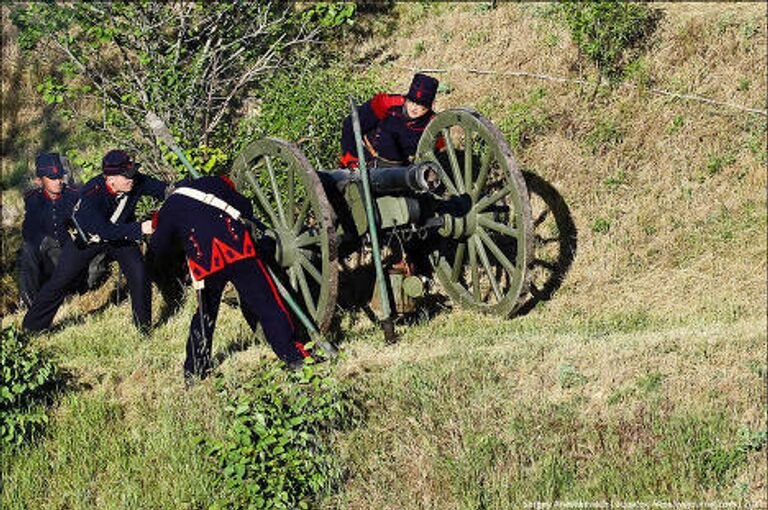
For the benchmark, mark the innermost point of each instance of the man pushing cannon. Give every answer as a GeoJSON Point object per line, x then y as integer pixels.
{"type": "Point", "coordinates": [207, 216]}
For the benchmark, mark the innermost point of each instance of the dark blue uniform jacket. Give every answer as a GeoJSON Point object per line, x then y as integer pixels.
{"type": "Point", "coordinates": [44, 216]}
{"type": "Point", "coordinates": [389, 133]}
{"type": "Point", "coordinates": [98, 202]}
{"type": "Point", "coordinates": [212, 239]}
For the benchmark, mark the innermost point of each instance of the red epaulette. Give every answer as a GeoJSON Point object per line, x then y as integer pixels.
{"type": "Point", "coordinates": [381, 103]}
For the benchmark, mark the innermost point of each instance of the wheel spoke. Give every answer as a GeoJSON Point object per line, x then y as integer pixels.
{"type": "Point", "coordinates": [458, 259]}
{"type": "Point", "coordinates": [488, 269]}
{"type": "Point", "coordinates": [290, 194]}
{"type": "Point", "coordinates": [307, 239]}
{"type": "Point", "coordinates": [310, 268]}
{"type": "Point", "coordinates": [275, 190]}
{"type": "Point", "coordinates": [443, 176]}
{"type": "Point", "coordinates": [498, 227]}
{"type": "Point", "coordinates": [265, 205]}
{"type": "Point", "coordinates": [301, 217]}
{"type": "Point", "coordinates": [474, 269]}
{"type": "Point", "coordinates": [292, 277]}
{"type": "Point", "coordinates": [451, 150]}
{"type": "Point", "coordinates": [485, 165]}
{"type": "Point", "coordinates": [468, 158]}
{"type": "Point", "coordinates": [305, 291]}
{"type": "Point", "coordinates": [496, 251]}
{"type": "Point", "coordinates": [495, 197]}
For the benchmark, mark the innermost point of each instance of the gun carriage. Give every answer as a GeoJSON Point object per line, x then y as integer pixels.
{"type": "Point", "coordinates": [459, 214]}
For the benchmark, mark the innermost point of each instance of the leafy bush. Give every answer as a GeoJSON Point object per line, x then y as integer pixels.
{"type": "Point", "coordinates": [609, 33]}
{"type": "Point", "coordinates": [277, 453]}
{"type": "Point", "coordinates": [27, 380]}
{"type": "Point", "coordinates": [307, 106]}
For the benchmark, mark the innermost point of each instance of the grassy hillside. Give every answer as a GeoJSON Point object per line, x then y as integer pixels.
{"type": "Point", "coordinates": [643, 378]}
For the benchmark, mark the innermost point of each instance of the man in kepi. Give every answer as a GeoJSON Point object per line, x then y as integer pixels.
{"type": "Point", "coordinates": [47, 209]}
{"type": "Point", "coordinates": [206, 216]}
{"type": "Point", "coordinates": [104, 217]}
{"type": "Point", "coordinates": [391, 125]}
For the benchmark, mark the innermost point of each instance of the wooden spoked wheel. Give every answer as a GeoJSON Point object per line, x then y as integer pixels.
{"type": "Point", "coordinates": [486, 243]}
{"type": "Point", "coordinates": [287, 195]}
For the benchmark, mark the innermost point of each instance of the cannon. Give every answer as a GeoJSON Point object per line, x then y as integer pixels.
{"type": "Point", "coordinates": [458, 216]}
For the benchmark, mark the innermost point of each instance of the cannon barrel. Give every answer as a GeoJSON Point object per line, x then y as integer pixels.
{"type": "Point", "coordinates": [418, 178]}
{"type": "Point", "coordinates": [388, 180]}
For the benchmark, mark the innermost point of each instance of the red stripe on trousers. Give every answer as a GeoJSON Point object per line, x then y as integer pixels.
{"type": "Point", "coordinates": [274, 292]}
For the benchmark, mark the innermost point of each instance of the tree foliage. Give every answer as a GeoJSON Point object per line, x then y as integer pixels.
{"type": "Point", "coordinates": [192, 63]}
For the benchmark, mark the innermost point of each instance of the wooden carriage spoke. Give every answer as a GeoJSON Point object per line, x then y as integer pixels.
{"type": "Point", "coordinates": [310, 268]}
{"type": "Point", "coordinates": [496, 251]}
{"type": "Point", "coordinates": [275, 190]}
{"type": "Point", "coordinates": [498, 227]}
{"type": "Point", "coordinates": [468, 158]}
{"type": "Point", "coordinates": [453, 160]}
{"type": "Point", "coordinates": [474, 269]}
{"type": "Point", "coordinates": [443, 176]}
{"type": "Point", "coordinates": [489, 200]}
{"type": "Point", "coordinates": [290, 193]}
{"type": "Point", "coordinates": [305, 292]}
{"type": "Point", "coordinates": [485, 166]}
{"type": "Point", "coordinates": [263, 201]}
{"type": "Point", "coordinates": [457, 261]}
{"type": "Point", "coordinates": [301, 217]}
{"type": "Point", "coordinates": [488, 269]}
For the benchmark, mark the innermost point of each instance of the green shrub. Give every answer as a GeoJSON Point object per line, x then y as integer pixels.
{"type": "Point", "coordinates": [307, 106]}
{"type": "Point", "coordinates": [610, 34]}
{"type": "Point", "coordinates": [28, 378]}
{"type": "Point", "coordinates": [278, 452]}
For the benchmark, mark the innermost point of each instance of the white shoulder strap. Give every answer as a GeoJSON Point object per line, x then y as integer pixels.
{"type": "Point", "coordinates": [210, 199]}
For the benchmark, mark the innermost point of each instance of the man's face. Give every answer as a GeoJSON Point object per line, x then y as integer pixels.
{"type": "Point", "coordinates": [120, 183]}
{"type": "Point", "coordinates": [52, 186]}
{"type": "Point", "coordinates": [415, 110]}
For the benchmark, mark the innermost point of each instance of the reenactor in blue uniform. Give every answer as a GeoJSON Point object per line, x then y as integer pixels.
{"type": "Point", "coordinates": [47, 209]}
{"type": "Point", "coordinates": [206, 215]}
{"type": "Point", "coordinates": [391, 125]}
{"type": "Point", "coordinates": [104, 217]}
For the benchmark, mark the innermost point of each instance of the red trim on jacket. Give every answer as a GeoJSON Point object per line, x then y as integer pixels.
{"type": "Point", "coordinates": [222, 255]}
{"type": "Point", "coordinates": [109, 188]}
{"type": "Point", "coordinates": [49, 196]}
{"type": "Point", "coordinates": [228, 181]}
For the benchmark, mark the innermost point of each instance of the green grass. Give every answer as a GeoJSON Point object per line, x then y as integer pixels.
{"type": "Point", "coordinates": [466, 412]}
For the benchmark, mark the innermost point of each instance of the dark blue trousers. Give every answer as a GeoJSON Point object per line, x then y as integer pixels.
{"type": "Point", "coordinates": [73, 264]}
{"type": "Point", "coordinates": [260, 303]}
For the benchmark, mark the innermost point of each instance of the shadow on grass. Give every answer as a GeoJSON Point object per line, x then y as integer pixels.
{"type": "Point", "coordinates": [555, 239]}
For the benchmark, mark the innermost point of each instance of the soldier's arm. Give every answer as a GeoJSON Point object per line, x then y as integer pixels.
{"type": "Point", "coordinates": [370, 113]}
{"type": "Point", "coordinates": [161, 241]}
{"type": "Point", "coordinates": [95, 221]}
{"type": "Point", "coordinates": [152, 187]}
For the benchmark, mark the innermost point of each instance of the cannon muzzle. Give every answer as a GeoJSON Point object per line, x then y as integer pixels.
{"type": "Point", "coordinates": [421, 178]}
